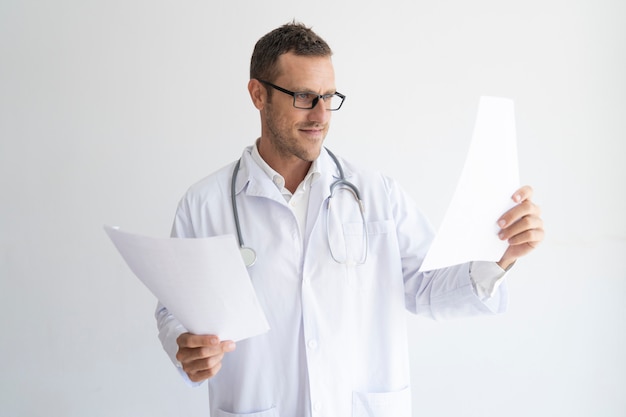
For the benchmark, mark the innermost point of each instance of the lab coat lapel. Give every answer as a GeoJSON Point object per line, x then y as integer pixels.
{"type": "Point", "coordinates": [254, 182]}
{"type": "Point", "coordinates": [320, 190]}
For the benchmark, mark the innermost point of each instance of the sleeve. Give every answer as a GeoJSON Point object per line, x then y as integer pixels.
{"type": "Point", "coordinates": [169, 330]}
{"type": "Point", "coordinates": [450, 293]}
{"type": "Point", "coordinates": [169, 327]}
{"type": "Point", "coordinates": [440, 294]}
{"type": "Point", "coordinates": [486, 278]}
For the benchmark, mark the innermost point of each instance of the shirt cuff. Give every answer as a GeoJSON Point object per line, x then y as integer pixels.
{"type": "Point", "coordinates": [486, 278]}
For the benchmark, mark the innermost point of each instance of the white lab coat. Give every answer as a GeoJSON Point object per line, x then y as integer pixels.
{"type": "Point", "coordinates": [337, 344]}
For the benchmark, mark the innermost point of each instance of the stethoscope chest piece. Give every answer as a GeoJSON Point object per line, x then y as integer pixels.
{"type": "Point", "coordinates": [248, 255]}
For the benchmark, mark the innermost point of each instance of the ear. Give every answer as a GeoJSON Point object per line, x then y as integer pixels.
{"type": "Point", "coordinates": [258, 94]}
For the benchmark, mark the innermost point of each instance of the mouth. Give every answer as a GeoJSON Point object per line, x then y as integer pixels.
{"type": "Point", "coordinates": [313, 131]}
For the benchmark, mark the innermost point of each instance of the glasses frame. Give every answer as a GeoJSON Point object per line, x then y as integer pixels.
{"type": "Point", "coordinates": [324, 97]}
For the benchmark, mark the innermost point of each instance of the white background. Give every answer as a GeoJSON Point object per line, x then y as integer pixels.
{"type": "Point", "coordinates": [109, 110]}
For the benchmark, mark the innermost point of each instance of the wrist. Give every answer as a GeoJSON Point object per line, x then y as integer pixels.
{"type": "Point", "coordinates": [506, 264]}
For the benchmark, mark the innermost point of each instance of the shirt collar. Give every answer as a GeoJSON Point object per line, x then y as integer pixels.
{"type": "Point", "coordinates": [279, 180]}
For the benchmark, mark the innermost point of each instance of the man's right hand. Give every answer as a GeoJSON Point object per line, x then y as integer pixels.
{"type": "Point", "coordinates": [201, 355]}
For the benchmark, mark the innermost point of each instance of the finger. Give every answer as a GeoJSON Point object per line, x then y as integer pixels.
{"type": "Point", "coordinates": [228, 346]}
{"type": "Point", "coordinates": [202, 364]}
{"type": "Point", "coordinates": [193, 347]}
{"type": "Point", "coordinates": [531, 237]}
{"type": "Point", "coordinates": [200, 376]}
{"type": "Point", "coordinates": [190, 340]}
{"type": "Point", "coordinates": [207, 367]}
{"type": "Point", "coordinates": [525, 223]}
{"type": "Point", "coordinates": [523, 193]}
{"type": "Point", "coordinates": [187, 355]}
{"type": "Point", "coordinates": [525, 208]}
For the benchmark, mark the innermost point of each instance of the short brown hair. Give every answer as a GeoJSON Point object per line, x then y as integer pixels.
{"type": "Point", "coordinates": [291, 37]}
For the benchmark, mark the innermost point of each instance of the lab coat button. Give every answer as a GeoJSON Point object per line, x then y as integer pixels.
{"type": "Point", "coordinates": [317, 406]}
{"type": "Point", "coordinates": [312, 344]}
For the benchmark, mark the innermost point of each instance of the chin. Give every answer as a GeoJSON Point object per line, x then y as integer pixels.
{"type": "Point", "coordinates": [314, 152]}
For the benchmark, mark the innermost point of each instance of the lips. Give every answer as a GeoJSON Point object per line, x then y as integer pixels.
{"type": "Point", "coordinates": [313, 129]}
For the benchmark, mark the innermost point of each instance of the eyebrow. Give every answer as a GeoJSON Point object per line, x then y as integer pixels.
{"type": "Point", "coordinates": [309, 90]}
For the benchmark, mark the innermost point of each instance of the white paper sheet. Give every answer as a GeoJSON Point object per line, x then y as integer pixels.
{"type": "Point", "coordinates": [469, 231]}
{"type": "Point", "coordinates": [203, 282]}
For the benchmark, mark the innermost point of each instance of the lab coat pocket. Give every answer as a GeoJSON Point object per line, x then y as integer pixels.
{"type": "Point", "coordinates": [272, 412]}
{"type": "Point", "coordinates": [382, 404]}
{"type": "Point", "coordinates": [367, 243]}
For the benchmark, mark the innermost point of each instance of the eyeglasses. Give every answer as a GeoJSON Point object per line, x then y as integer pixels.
{"type": "Point", "coordinates": [308, 100]}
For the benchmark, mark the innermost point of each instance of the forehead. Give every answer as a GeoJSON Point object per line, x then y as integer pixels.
{"type": "Point", "coordinates": [308, 72]}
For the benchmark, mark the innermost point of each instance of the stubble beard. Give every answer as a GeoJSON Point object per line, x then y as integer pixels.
{"type": "Point", "coordinates": [287, 145]}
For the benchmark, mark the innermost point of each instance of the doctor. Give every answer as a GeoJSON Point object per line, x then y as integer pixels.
{"type": "Point", "coordinates": [334, 281]}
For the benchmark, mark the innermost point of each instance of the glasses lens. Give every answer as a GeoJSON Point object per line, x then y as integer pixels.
{"type": "Point", "coordinates": [304, 100]}
{"type": "Point", "coordinates": [333, 102]}
{"type": "Point", "coordinates": [310, 100]}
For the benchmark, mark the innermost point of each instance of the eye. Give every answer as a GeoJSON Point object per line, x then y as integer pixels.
{"type": "Point", "coordinates": [304, 97]}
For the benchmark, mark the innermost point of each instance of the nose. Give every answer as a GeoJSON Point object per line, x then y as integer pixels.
{"type": "Point", "coordinates": [319, 113]}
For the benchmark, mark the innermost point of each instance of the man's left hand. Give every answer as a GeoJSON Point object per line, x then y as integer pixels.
{"type": "Point", "coordinates": [521, 226]}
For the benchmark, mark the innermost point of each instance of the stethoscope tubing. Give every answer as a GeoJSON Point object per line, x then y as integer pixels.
{"type": "Point", "coordinates": [248, 253]}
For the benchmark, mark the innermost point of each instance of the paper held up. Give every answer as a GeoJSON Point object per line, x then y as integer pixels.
{"type": "Point", "coordinates": [469, 231]}
{"type": "Point", "coordinates": [202, 282]}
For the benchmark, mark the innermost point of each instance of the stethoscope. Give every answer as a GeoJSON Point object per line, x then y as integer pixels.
{"type": "Point", "coordinates": [249, 255]}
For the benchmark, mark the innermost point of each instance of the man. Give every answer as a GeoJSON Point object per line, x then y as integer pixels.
{"type": "Point", "coordinates": [334, 281]}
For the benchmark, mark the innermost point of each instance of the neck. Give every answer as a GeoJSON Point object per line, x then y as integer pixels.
{"type": "Point", "coordinates": [294, 176]}
{"type": "Point", "coordinates": [290, 167]}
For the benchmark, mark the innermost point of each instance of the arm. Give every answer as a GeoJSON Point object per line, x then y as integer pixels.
{"type": "Point", "coordinates": [468, 289]}
{"type": "Point", "coordinates": [444, 293]}
{"type": "Point", "coordinates": [198, 357]}
{"type": "Point", "coordinates": [522, 226]}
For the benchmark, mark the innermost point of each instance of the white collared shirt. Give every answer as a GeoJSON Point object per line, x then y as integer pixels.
{"type": "Point", "coordinates": [299, 200]}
